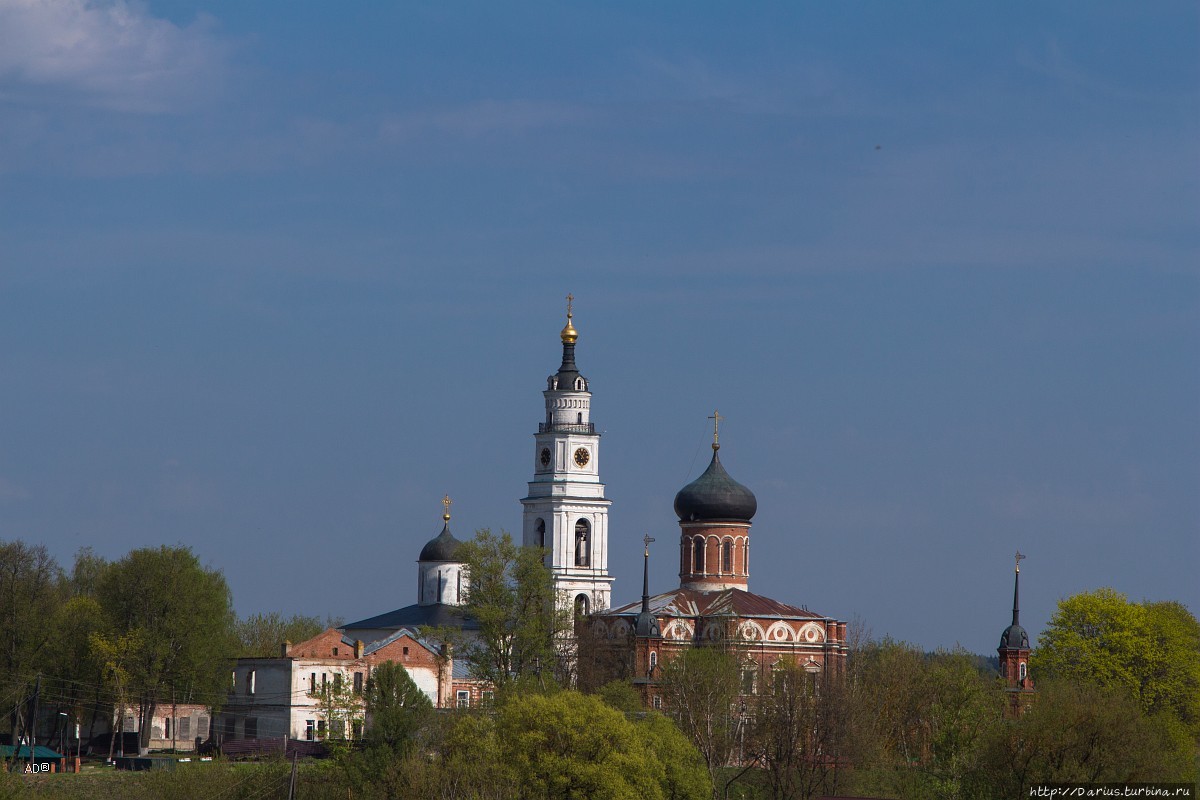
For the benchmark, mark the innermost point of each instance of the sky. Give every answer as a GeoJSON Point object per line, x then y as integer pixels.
{"type": "Point", "coordinates": [275, 277]}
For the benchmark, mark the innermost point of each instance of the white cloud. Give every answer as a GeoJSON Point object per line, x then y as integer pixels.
{"type": "Point", "coordinates": [111, 53]}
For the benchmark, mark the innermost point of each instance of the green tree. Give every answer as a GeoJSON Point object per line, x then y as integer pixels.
{"type": "Point", "coordinates": [798, 731]}
{"type": "Point", "coordinates": [701, 689]}
{"type": "Point", "coordinates": [179, 614]}
{"type": "Point", "coordinates": [338, 706]}
{"type": "Point", "coordinates": [1150, 651]}
{"type": "Point", "coordinates": [260, 635]}
{"type": "Point", "coordinates": [573, 745]}
{"type": "Point", "coordinates": [1085, 733]}
{"type": "Point", "coordinates": [684, 775]}
{"type": "Point", "coordinates": [916, 721]}
{"type": "Point", "coordinates": [32, 590]}
{"type": "Point", "coordinates": [511, 597]}
{"type": "Point", "coordinates": [396, 708]}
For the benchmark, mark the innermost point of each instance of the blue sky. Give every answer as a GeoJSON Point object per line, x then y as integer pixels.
{"type": "Point", "coordinates": [276, 277]}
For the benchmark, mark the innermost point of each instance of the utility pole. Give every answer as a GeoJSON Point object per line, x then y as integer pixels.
{"type": "Point", "coordinates": [37, 690]}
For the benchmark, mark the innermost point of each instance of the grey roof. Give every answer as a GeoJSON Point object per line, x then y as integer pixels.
{"type": "Point", "coordinates": [1014, 638]}
{"type": "Point", "coordinates": [443, 547]}
{"type": "Point", "coordinates": [400, 632]}
{"type": "Point", "coordinates": [725, 602]}
{"type": "Point", "coordinates": [436, 615]}
{"type": "Point", "coordinates": [715, 496]}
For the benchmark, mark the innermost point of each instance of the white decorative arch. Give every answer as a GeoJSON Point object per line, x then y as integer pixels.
{"type": "Point", "coordinates": [812, 633]}
{"type": "Point", "coordinates": [780, 632]}
{"type": "Point", "coordinates": [681, 631]}
{"type": "Point", "coordinates": [750, 631]}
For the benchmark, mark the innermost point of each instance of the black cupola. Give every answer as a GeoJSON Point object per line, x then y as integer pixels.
{"type": "Point", "coordinates": [715, 496]}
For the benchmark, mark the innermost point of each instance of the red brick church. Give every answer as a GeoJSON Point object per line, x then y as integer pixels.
{"type": "Point", "coordinates": [713, 604]}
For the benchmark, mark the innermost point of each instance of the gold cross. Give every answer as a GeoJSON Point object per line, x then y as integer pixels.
{"type": "Point", "coordinates": [647, 539]}
{"type": "Point", "coordinates": [1019, 559]}
{"type": "Point", "coordinates": [446, 501]}
{"type": "Point", "coordinates": [570, 299]}
{"type": "Point", "coordinates": [716, 418]}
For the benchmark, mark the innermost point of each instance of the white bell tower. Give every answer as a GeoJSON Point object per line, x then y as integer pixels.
{"type": "Point", "coordinates": [566, 511]}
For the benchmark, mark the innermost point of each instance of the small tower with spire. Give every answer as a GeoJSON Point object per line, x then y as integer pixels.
{"type": "Point", "coordinates": [1014, 647]}
{"type": "Point", "coordinates": [566, 512]}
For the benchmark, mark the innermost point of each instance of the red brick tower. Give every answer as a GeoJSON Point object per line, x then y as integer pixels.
{"type": "Point", "coordinates": [714, 520]}
{"type": "Point", "coordinates": [1014, 650]}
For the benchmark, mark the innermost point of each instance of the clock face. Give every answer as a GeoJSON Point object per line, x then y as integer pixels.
{"type": "Point", "coordinates": [545, 457]}
{"type": "Point", "coordinates": [582, 456]}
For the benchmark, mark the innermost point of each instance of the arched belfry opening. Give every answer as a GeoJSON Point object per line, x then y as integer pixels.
{"type": "Point", "coordinates": [583, 543]}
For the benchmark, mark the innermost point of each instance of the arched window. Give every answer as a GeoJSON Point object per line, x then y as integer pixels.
{"type": "Point", "coordinates": [698, 555]}
{"type": "Point", "coordinates": [583, 546]}
{"type": "Point", "coordinates": [653, 661]}
{"type": "Point", "coordinates": [1021, 670]}
{"type": "Point", "coordinates": [582, 604]}
{"type": "Point", "coordinates": [540, 527]}
{"type": "Point", "coordinates": [727, 556]}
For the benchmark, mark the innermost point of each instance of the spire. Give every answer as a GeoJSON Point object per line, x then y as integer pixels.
{"type": "Point", "coordinates": [1017, 590]}
{"type": "Point", "coordinates": [647, 539]}
{"type": "Point", "coordinates": [647, 623]}
{"type": "Point", "coordinates": [568, 372]}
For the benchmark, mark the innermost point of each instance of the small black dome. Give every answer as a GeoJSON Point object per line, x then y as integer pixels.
{"type": "Point", "coordinates": [715, 496]}
{"type": "Point", "coordinates": [443, 547]}
{"type": "Point", "coordinates": [1013, 638]}
{"type": "Point", "coordinates": [647, 626]}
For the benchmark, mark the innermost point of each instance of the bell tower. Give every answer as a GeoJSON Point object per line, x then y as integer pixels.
{"type": "Point", "coordinates": [566, 511]}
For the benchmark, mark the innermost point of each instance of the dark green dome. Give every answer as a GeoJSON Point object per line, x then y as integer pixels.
{"type": "Point", "coordinates": [715, 496]}
{"type": "Point", "coordinates": [443, 547]}
{"type": "Point", "coordinates": [1014, 638]}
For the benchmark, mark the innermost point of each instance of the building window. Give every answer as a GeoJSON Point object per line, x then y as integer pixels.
{"type": "Point", "coordinates": [252, 728]}
{"type": "Point", "coordinates": [335, 651]}
{"type": "Point", "coordinates": [167, 728]}
{"type": "Point", "coordinates": [658, 701]}
{"type": "Point", "coordinates": [583, 547]}
{"type": "Point", "coordinates": [321, 729]}
{"type": "Point", "coordinates": [1021, 672]}
{"type": "Point", "coordinates": [312, 683]}
{"type": "Point", "coordinates": [229, 729]}
{"type": "Point", "coordinates": [582, 606]}
{"type": "Point", "coordinates": [310, 729]}
{"type": "Point", "coordinates": [185, 728]}
{"type": "Point", "coordinates": [463, 698]}
{"type": "Point", "coordinates": [727, 556]}
{"type": "Point", "coordinates": [653, 661]}
{"type": "Point", "coordinates": [233, 682]}
{"type": "Point", "coordinates": [406, 652]}
{"type": "Point", "coordinates": [698, 555]}
{"type": "Point", "coordinates": [250, 682]}
{"type": "Point", "coordinates": [748, 680]}
{"type": "Point", "coordinates": [202, 727]}
{"type": "Point", "coordinates": [356, 729]}
{"type": "Point", "coordinates": [489, 697]}
{"type": "Point", "coordinates": [337, 682]}
{"type": "Point", "coordinates": [358, 683]}
{"type": "Point", "coordinates": [540, 529]}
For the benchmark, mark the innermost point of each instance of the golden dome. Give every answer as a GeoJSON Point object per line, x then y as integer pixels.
{"type": "Point", "coordinates": [569, 334]}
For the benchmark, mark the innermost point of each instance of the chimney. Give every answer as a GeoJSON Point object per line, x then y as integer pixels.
{"type": "Point", "coordinates": [285, 649]}
{"type": "Point", "coordinates": [358, 648]}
